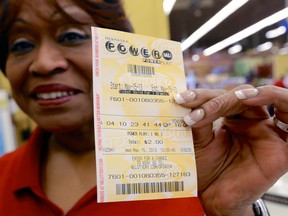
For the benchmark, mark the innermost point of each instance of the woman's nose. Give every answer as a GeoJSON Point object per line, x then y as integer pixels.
{"type": "Point", "coordinates": [49, 59]}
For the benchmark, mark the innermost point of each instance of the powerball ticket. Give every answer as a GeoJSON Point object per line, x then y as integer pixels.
{"type": "Point", "coordinates": [144, 150]}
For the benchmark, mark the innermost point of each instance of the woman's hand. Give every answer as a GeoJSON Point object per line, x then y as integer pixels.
{"type": "Point", "coordinates": [243, 153]}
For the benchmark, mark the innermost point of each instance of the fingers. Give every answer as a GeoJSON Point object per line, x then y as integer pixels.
{"type": "Point", "coordinates": [209, 105]}
{"type": "Point", "coordinates": [196, 97]}
{"type": "Point", "coordinates": [278, 98]}
{"type": "Point", "coordinates": [193, 99]}
{"type": "Point", "coordinates": [244, 101]}
{"type": "Point", "coordinates": [225, 105]}
{"type": "Point", "coordinates": [271, 95]}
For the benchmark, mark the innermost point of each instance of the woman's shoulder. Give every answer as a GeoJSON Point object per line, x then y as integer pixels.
{"type": "Point", "coordinates": [14, 159]}
{"type": "Point", "coordinates": [9, 161]}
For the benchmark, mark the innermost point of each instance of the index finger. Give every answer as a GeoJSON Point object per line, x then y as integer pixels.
{"type": "Point", "coordinates": [271, 95]}
{"type": "Point", "coordinates": [229, 104]}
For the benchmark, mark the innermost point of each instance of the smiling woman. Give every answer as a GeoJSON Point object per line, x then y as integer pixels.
{"type": "Point", "coordinates": [64, 34]}
{"type": "Point", "coordinates": [46, 56]}
{"type": "Point", "coordinates": [50, 54]}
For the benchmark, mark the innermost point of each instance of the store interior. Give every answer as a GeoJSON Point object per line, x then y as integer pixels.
{"type": "Point", "coordinates": [225, 43]}
{"type": "Point", "coordinates": [250, 35]}
{"type": "Point", "coordinates": [249, 46]}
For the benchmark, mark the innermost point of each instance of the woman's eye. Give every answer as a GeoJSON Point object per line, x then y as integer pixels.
{"type": "Point", "coordinates": [72, 37]}
{"type": "Point", "coordinates": [21, 46]}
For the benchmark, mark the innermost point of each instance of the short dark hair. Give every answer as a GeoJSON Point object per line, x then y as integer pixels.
{"type": "Point", "coordinates": [105, 13]}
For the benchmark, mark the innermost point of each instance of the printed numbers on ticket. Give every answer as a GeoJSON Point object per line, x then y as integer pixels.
{"type": "Point", "coordinates": [144, 150]}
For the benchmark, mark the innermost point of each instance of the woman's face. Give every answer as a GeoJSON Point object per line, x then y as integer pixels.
{"type": "Point", "coordinates": [49, 65]}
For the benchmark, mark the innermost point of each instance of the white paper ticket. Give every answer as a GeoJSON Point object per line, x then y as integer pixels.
{"type": "Point", "coordinates": [144, 150]}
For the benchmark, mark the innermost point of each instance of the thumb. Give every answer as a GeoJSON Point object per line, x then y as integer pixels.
{"type": "Point", "coordinates": [202, 136]}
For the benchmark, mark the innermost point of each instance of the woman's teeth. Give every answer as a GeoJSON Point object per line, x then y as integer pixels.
{"type": "Point", "coordinates": [53, 95]}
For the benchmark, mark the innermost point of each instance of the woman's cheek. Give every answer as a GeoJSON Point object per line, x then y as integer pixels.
{"type": "Point", "coordinates": [15, 71]}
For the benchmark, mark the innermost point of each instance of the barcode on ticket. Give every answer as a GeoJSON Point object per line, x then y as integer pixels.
{"type": "Point", "coordinates": [140, 69]}
{"type": "Point", "coordinates": [149, 187]}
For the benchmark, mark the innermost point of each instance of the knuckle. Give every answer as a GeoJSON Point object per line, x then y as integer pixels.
{"type": "Point", "coordinates": [216, 104]}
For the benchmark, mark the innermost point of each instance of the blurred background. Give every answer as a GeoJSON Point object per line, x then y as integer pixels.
{"type": "Point", "coordinates": [224, 42]}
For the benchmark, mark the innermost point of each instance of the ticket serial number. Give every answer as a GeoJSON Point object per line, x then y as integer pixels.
{"type": "Point", "coordinates": [143, 100]}
{"type": "Point", "coordinates": [149, 175]}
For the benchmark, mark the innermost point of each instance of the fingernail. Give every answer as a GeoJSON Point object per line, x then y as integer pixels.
{"type": "Point", "coordinates": [194, 117]}
{"type": "Point", "coordinates": [184, 97]}
{"type": "Point", "coordinates": [246, 93]}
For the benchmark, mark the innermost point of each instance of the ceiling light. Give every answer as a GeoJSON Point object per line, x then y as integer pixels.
{"type": "Point", "coordinates": [213, 22]}
{"type": "Point", "coordinates": [168, 6]}
{"type": "Point", "coordinates": [235, 49]}
{"type": "Point", "coordinates": [195, 58]}
{"type": "Point", "coordinates": [276, 17]}
{"type": "Point", "coordinates": [276, 32]}
{"type": "Point", "coordinates": [264, 47]}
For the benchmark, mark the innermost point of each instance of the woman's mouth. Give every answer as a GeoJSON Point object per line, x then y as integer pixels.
{"type": "Point", "coordinates": [53, 94]}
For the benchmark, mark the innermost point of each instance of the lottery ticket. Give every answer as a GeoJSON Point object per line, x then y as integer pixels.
{"type": "Point", "coordinates": [144, 150]}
